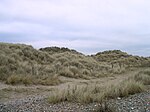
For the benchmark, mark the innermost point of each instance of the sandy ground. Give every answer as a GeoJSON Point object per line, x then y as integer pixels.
{"type": "Point", "coordinates": [10, 92]}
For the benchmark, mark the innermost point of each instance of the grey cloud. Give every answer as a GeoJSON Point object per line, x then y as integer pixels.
{"type": "Point", "coordinates": [88, 26]}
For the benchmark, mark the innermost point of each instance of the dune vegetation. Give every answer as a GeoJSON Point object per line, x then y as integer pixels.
{"type": "Point", "coordinates": [72, 76]}
{"type": "Point", "coordinates": [22, 64]}
{"type": "Point", "coordinates": [96, 93]}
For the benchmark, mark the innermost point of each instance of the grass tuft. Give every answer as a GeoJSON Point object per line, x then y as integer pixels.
{"type": "Point", "coordinates": [143, 77]}
{"type": "Point", "coordinates": [96, 93]}
{"type": "Point", "coordinates": [29, 79]}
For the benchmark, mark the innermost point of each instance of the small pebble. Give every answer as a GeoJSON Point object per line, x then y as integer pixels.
{"type": "Point", "coordinates": [135, 103]}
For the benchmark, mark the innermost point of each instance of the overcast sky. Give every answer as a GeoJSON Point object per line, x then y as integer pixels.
{"type": "Point", "coordinates": [89, 26]}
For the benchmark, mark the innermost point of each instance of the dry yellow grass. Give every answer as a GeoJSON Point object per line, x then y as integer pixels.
{"type": "Point", "coordinates": [143, 77]}
{"type": "Point", "coordinates": [34, 64]}
{"type": "Point", "coordinates": [28, 79]}
{"type": "Point", "coordinates": [96, 93]}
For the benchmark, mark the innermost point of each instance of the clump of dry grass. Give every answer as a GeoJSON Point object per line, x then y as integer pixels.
{"type": "Point", "coordinates": [53, 80]}
{"type": "Point", "coordinates": [96, 93]}
{"type": "Point", "coordinates": [29, 79]}
{"type": "Point", "coordinates": [72, 94]}
{"type": "Point", "coordinates": [74, 72]}
{"type": "Point", "coordinates": [125, 88]}
{"type": "Point", "coordinates": [20, 79]}
{"type": "Point", "coordinates": [66, 72]}
{"type": "Point", "coordinates": [143, 77]}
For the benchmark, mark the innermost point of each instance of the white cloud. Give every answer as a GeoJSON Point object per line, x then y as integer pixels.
{"type": "Point", "coordinates": [77, 12]}
{"type": "Point", "coordinates": [25, 28]}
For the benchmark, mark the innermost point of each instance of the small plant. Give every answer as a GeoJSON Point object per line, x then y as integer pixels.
{"type": "Point", "coordinates": [75, 71]}
{"type": "Point", "coordinates": [13, 79]}
{"type": "Point", "coordinates": [104, 107]}
{"type": "Point", "coordinates": [66, 72]}
{"type": "Point", "coordinates": [19, 79]}
{"type": "Point", "coordinates": [27, 80]}
{"type": "Point", "coordinates": [130, 87]}
{"type": "Point", "coordinates": [143, 77]}
{"type": "Point", "coordinates": [51, 80]}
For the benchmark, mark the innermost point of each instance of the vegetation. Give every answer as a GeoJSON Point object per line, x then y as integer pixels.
{"type": "Point", "coordinates": [27, 80]}
{"type": "Point", "coordinates": [143, 77]}
{"type": "Point", "coordinates": [104, 107]}
{"type": "Point", "coordinates": [121, 59]}
{"type": "Point", "coordinates": [96, 93]}
{"type": "Point", "coordinates": [22, 64]}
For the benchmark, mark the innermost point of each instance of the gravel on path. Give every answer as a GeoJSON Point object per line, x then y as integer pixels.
{"type": "Point", "coordinates": [135, 103]}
